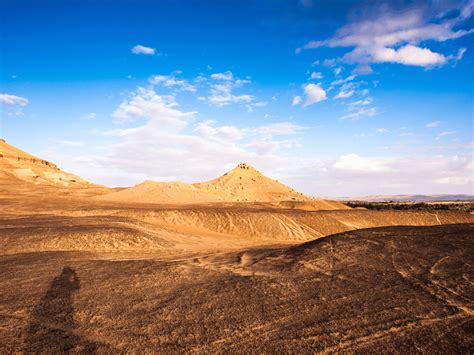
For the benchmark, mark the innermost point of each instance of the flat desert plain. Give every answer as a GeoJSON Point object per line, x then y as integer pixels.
{"type": "Point", "coordinates": [241, 263]}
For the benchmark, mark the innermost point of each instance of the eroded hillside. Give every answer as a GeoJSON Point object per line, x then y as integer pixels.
{"type": "Point", "coordinates": [17, 167]}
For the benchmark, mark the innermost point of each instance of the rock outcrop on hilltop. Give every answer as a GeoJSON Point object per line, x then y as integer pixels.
{"type": "Point", "coordinates": [246, 184]}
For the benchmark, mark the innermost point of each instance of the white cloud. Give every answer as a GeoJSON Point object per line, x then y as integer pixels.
{"type": "Point", "coordinates": [433, 124]}
{"type": "Point", "coordinates": [225, 98]}
{"type": "Point", "coordinates": [240, 82]}
{"type": "Point", "coordinates": [68, 143]}
{"type": "Point", "coordinates": [436, 174]}
{"type": "Point", "coordinates": [6, 99]}
{"type": "Point", "coordinates": [147, 104]}
{"type": "Point", "coordinates": [207, 130]}
{"type": "Point", "coordinates": [409, 55]}
{"type": "Point", "coordinates": [271, 146]}
{"type": "Point", "coordinates": [170, 81]}
{"type": "Point", "coordinates": [251, 105]}
{"type": "Point", "coordinates": [394, 36]}
{"type": "Point", "coordinates": [358, 164]}
{"type": "Point", "coordinates": [139, 49]}
{"type": "Point", "coordinates": [277, 129]}
{"type": "Point", "coordinates": [316, 75]}
{"type": "Point", "coordinates": [460, 54]}
{"type": "Point", "coordinates": [330, 62]}
{"type": "Point", "coordinates": [313, 94]}
{"type": "Point", "coordinates": [360, 112]}
{"type": "Point", "coordinates": [223, 76]}
{"type": "Point", "coordinates": [222, 94]}
{"type": "Point", "coordinates": [361, 135]}
{"type": "Point", "coordinates": [454, 180]}
{"type": "Point", "coordinates": [446, 133]}
{"type": "Point", "coordinates": [296, 100]}
{"type": "Point", "coordinates": [363, 102]}
{"type": "Point", "coordinates": [344, 94]}
{"type": "Point", "coordinates": [342, 81]}
{"type": "Point", "coordinates": [381, 130]}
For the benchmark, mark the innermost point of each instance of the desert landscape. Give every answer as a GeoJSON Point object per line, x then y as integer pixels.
{"type": "Point", "coordinates": [241, 263]}
{"type": "Point", "coordinates": [236, 177]}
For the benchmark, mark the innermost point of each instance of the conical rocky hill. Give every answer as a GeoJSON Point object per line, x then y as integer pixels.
{"type": "Point", "coordinates": [245, 184]}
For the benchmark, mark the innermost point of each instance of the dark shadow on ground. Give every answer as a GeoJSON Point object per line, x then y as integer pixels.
{"type": "Point", "coordinates": [52, 324]}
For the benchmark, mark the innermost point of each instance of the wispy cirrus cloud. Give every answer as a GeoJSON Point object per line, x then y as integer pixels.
{"type": "Point", "coordinates": [170, 81]}
{"type": "Point", "coordinates": [445, 133]}
{"type": "Point", "coordinates": [356, 113]}
{"type": "Point", "coordinates": [344, 94]}
{"type": "Point", "coordinates": [222, 91]}
{"type": "Point", "coordinates": [13, 100]}
{"type": "Point", "coordinates": [397, 36]}
{"type": "Point", "coordinates": [12, 105]}
{"type": "Point", "coordinates": [227, 76]}
{"type": "Point", "coordinates": [296, 100]}
{"type": "Point", "coordinates": [316, 75]}
{"type": "Point", "coordinates": [432, 124]}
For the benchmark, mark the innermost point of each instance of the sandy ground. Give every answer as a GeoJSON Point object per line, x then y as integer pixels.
{"type": "Point", "coordinates": [398, 289]}
{"type": "Point", "coordinates": [81, 275]}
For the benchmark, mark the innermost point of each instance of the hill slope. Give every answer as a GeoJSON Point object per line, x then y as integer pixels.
{"type": "Point", "coordinates": [244, 183]}
{"type": "Point", "coordinates": [161, 192]}
{"type": "Point", "coordinates": [18, 167]}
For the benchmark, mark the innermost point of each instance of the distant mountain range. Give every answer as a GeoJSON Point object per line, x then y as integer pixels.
{"type": "Point", "coordinates": [407, 198]}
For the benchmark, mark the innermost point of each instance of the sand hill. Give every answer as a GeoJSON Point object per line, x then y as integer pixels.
{"type": "Point", "coordinates": [17, 166]}
{"type": "Point", "coordinates": [242, 184]}
{"type": "Point", "coordinates": [246, 184]}
{"type": "Point", "coordinates": [161, 192]}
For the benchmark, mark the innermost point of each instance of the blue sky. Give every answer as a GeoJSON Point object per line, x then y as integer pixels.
{"type": "Point", "coordinates": [335, 98]}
